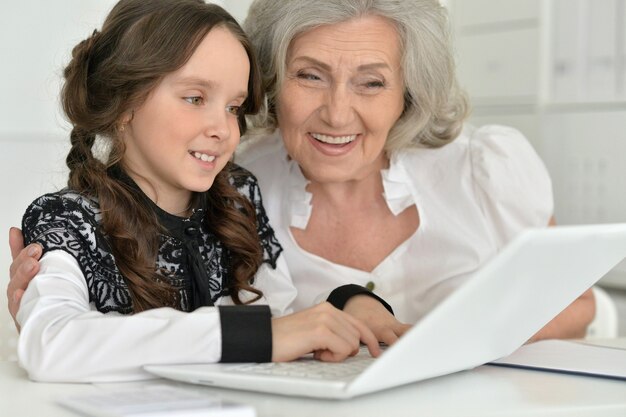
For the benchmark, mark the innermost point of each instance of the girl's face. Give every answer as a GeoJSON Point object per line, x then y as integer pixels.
{"type": "Point", "coordinates": [186, 131]}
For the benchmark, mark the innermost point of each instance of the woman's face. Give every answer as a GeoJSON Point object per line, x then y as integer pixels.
{"type": "Point", "coordinates": [185, 132]}
{"type": "Point", "coordinates": [342, 93]}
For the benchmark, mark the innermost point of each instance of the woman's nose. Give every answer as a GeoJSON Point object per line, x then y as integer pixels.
{"type": "Point", "coordinates": [338, 110]}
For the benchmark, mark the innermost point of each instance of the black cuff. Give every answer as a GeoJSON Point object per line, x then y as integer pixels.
{"type": "Point", "coordinates": [246, 333]}
{"type": "Point", "coordinates": [340, 296]}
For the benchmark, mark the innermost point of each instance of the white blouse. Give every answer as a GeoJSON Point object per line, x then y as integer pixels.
{"type": "Point", "coordinates": [473, 196]}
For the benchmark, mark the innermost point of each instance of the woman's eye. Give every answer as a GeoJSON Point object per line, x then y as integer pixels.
{"type": "Point", "coordinates": [235, 110]}
{"type": "Point", "coordinates": [374, 84]}
{"type": "Point", "coordinates": [195, 100]}
{"type": "Point", "coordinates": [307, 76]}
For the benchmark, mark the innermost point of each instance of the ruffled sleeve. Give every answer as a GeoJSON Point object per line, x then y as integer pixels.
{"type": "Point", "coordinates": [512, 184]}
{"type": "Point", "coordinates": [247, 185]}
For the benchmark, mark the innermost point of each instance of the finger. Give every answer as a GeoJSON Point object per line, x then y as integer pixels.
{"type": "Point", "coordinates": [326, 355]}
{"type": "Point", "coordinates": [18, 260]}
{"type": "Point", "coordinates": [13, 309]}
{"type": "Point", "coordinates": [334, 353]}
{"type": "Point", "coordinates": [388, 336]}
{"type": "Point", "coordinates": [17, 285]}
{"type": "Point", "coordinates": [334, 340]}
{"type": "Point", "coordinates": [34, 250]}
{"type": "Point", "coordinates": [401, 329]}
{"type": "Point", "coordinates": [14, 302]}
{"type": "Point", "coordinates": [340, 324]}
{"type": "Point", "coordinates": [330, 355]}
{"type": "Point", "coordinates": [366, 336]}
{"type": "Point", "coordinates": [16, 241]}
{"type": "Point", "coordinates": [340, 341]}
{"type": "Point", "coordinates": [22, 270]}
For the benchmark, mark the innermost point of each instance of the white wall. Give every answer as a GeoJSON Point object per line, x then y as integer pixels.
{"type": "Point", "coordinates": [36, 40]}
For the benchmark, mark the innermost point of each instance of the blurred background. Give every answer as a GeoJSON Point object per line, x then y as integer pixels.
{"type": "Point", "coordinates": [554, 69]}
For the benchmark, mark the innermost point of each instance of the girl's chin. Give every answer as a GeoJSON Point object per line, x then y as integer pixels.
{"type": "Point", "coordinates": [199, 187]}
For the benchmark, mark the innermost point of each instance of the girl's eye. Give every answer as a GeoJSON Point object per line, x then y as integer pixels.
{"type": "Point", "coordinates": [195, 100]}
{"type": "Point", "coordinates": [234, 110]}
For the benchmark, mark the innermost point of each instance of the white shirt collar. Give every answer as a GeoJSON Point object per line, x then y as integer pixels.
{"type": "Point", "coordinates": [397, 192]}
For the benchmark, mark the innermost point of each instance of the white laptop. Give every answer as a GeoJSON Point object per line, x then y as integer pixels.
{"type": "Point", "coordinates": [496, 311]}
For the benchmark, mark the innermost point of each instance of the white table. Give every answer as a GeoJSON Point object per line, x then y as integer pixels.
{"type": "Point", "coordinates": [484, 391]}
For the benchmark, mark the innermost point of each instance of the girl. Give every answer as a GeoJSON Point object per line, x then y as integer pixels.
{"type": "Point", "coordinates": [151, 256]}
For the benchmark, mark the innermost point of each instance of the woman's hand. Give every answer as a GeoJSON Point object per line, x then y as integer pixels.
{"type": "Point", "coordinates": [329, 333]}
{"type": "Point", "coordinates": [378, 319]}
{"type": "Point", "coordinates": [24, 267]}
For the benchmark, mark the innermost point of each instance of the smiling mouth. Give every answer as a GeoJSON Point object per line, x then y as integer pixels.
{"type": "Point", "coordinates": [333, 140]}
{"type": "Point", "coordinates": [202, 156]}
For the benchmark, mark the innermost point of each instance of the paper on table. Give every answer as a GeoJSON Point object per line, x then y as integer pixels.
{"type": "Point", "coordinates": [155, 401]}
{"type": "Point", "coordinates": [605, 358]}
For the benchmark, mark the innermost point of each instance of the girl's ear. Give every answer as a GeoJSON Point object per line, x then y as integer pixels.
{"type": "Point", "coordinates": [126, 118]}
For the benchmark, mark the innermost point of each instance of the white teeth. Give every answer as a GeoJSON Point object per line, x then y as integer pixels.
{"type": "Point", "coordinates": [204, 157]}
{"type": "Point", "coordinates": [335, 140]}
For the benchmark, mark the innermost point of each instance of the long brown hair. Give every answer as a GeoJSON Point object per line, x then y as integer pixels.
{"type": "Point", "coordinates": [112, 72]}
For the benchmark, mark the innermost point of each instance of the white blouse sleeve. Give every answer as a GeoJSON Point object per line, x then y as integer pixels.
{"type": "Point", "coordinates": [63, 339]}
{"type": "Point", "coordinates": [511, 182]}
{"type": "Point", "coordinates": [277, 288]}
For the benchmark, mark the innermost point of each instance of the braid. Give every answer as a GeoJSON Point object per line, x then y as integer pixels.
{"type": "Point", "coordinates": [233, 219]}
{"type": "Point", "coordinates": [84, 168]}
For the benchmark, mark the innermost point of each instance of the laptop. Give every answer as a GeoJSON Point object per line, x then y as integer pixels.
{"type": "Point", "coordinates": [493, 313]}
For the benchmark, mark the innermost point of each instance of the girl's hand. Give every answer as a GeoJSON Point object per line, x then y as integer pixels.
{"type": "Point", "coordinates": [329, 333]}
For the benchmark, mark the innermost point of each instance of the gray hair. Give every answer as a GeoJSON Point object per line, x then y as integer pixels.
{"type": "Point", "coordinates": [435, 108]}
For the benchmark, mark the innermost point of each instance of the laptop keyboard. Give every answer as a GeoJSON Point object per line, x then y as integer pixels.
{"type": "Point", "coordinates": [310, 368]}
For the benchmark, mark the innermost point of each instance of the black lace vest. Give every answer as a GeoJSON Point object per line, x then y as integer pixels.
{"type": "Point", "coordinates": [192, 258]}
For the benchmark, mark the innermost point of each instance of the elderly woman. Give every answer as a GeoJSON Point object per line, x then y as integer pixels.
{"type": "Point", "coordinates": [368, 172]}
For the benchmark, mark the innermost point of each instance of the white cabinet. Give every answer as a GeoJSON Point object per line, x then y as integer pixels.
{"type": "Point", "coordinates": [487, 65]}
{"type": "Point", "coordinates": [556, 70]}
{"type": "Point", "coordinates": [601, 51]}
{"type": "Point", "coordinates": [470, 13]}
{"type": "Point", "coordinates": [564, 62]}
{"type": "Point", "coordinates": [497, 42]}
{"type": "Point", "coordinates": [548, 52]}
{"type": "Point", "coordinates": [586, 50]}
